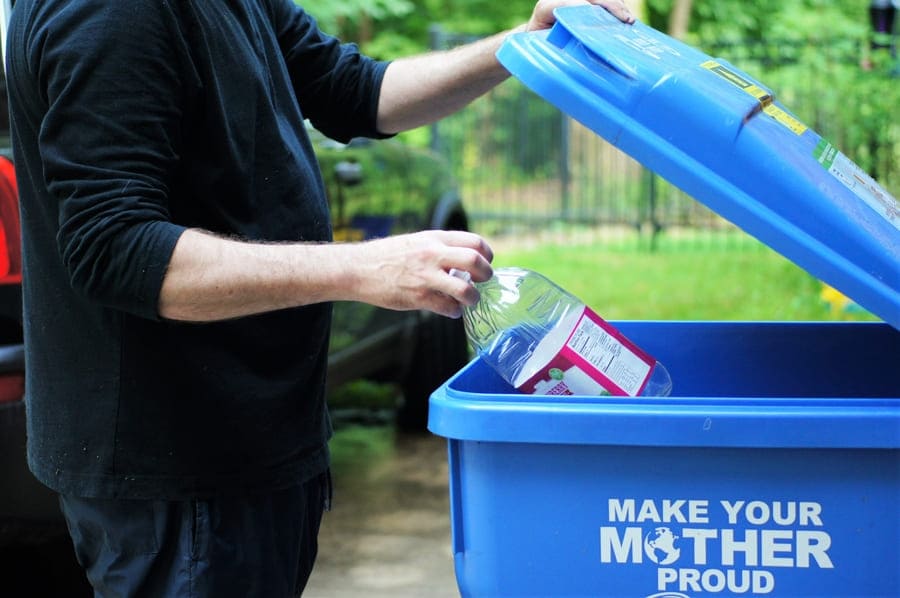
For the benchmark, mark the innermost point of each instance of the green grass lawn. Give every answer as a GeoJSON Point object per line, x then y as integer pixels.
{"type": "Point", "coordinates": [682, 281]}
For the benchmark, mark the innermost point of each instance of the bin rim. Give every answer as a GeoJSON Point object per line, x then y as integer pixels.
{"type": "Point", "coordinates": [835, 423]}
{"type": "Point", "coordinates": [460, 412]}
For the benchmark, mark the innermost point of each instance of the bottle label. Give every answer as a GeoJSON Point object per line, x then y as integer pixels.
{"type": "Point", "coordinates": [595, 360]}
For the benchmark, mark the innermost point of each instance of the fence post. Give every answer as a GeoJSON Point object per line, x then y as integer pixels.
{"type": "Point", "coordinates": [564, 166]}
{"type": "Point", "coordinates": [650, 216]}
{"type": "Point", "coordinates": [436, 40]}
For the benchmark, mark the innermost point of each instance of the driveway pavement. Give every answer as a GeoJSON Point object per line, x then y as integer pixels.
{"type": "Point", "coordinates": [388, 533]}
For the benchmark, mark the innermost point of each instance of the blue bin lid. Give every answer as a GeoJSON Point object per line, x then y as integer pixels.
{"type": "Point", "coordinates": [724, 139]}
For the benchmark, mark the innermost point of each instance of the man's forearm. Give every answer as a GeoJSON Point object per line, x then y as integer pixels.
{"type": "Point", "coordinates": [212, 278]}
{"type": "Point", "coordinates": [422, 89]}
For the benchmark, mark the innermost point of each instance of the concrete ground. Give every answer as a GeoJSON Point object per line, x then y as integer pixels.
{"type": "Point", "coordinates": [388, 533]}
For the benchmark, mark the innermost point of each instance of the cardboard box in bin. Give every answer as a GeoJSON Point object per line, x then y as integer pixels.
{"type": "Point", "coordinates": [774, 469]}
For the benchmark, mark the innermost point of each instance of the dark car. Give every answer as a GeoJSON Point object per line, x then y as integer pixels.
{"type": "Point", "coordinates": [374, 189]}
{"type": "Point", "coordinates": [379, 188]}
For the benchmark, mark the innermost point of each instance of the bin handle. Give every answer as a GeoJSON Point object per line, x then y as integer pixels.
{"type": "Point", "coordinates": [456, 516]}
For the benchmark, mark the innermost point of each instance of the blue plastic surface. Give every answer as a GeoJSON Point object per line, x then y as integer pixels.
{"type": "Point", "coordinates": [773, 470]}
{"type": "Point", "coordinates": [723, 138]}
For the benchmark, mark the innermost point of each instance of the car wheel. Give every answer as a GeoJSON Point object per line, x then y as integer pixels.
{"type": "Point", "coordinates": [441, 350]}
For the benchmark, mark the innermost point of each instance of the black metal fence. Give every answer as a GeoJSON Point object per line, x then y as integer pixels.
{"type": "Point", "coordinates": [526, 167]}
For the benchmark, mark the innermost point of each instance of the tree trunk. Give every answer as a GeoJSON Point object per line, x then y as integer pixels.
{"type": "Point", "coordinates": [680, 19]}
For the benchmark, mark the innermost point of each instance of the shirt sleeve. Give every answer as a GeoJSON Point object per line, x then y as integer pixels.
{"type": "Point", "coordinates": [337, 86]}
{"type": "Point", "coordinates": [107, 74]}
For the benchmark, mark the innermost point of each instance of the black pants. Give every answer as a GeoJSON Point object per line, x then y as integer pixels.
{"type": "Point", "coordinates": [243, 547]}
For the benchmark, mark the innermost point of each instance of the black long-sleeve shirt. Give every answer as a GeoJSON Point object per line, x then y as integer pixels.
{"type": "Point", "coordinates": [131, 121]}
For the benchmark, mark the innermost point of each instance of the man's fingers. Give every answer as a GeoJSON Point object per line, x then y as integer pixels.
{"type": "Point", "coordinates": [467, 252]}
{"type": "Point", "coordinates": [458, 238]}
{"type": "Point", "coordinates": [543, 18]}
{"type": "Point", "coordinates": [475, 264]}
{"type": "Point", "coordinates": [460, 289]}
{"type": "Point", "coordinates": [618, 8]}
{"type": "Point", "coordinates": [445, 306]}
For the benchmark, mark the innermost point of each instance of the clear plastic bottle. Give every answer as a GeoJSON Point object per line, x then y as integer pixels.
{"type": "Point", "coordinates": [543, 340]}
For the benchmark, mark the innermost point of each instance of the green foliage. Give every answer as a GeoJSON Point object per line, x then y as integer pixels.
{"type": "Point", "coordinates": [376, 443]}
{"type": "Point", "coordinates": [807, 51]}
{"type": "Point", "coordinates": [478, 17]}
{"type": "Point", "coordinates": [823, 19]}
{"type": "Point", "coordinates": [515, 125]}
{"type": "Point", "coordinates": [763, 19]}
{"type": "Point", "coordinates": [401, 27]}
{"type": "Point", "coordinates": [347, 17]}
{"type": "Point", "coordinates": [364, 394]}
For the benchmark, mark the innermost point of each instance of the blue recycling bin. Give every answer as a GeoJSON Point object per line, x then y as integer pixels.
{"type": "Point", "coordinates": [774, 469]}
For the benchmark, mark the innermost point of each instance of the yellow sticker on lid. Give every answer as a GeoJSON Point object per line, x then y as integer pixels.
{"type": "Point", "coordinates": [765, 99]}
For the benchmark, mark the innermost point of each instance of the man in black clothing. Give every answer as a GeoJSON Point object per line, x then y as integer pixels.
{"type": "Point", "coordinates": [178, 275]}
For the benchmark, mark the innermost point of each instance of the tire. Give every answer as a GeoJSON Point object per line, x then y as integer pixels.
{"type": "Point", "coordinates": [441, 350]}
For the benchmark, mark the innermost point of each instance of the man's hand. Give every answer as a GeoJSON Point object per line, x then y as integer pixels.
{"type": "Point", "coordinates": [412, 271]}
{"type": "Point", "coordinates": [542, 17]}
